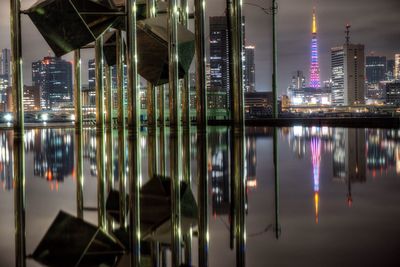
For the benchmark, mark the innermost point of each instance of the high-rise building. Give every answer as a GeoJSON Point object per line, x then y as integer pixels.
{"type": "Point", "coordinates": [249, 72]}
{"type": "Point", "coordinates": [390, 69]}
{"type": "Point", "coordinates": [348, 74]}
{"type": "Point", "coordinates": [375, 69]}
{"type": "Point", "coordinates": [5, 67]}
{"type": "Point", "coordinates": [54, 77]}
{"type": "Point", "coordinates": [397, 66]}
{"type": "Point", "coordinates": [219, 63]}
{"type": "Point", "coordinates": [219, 90]}
{"type": "Point", "coordinates": [314, 67]}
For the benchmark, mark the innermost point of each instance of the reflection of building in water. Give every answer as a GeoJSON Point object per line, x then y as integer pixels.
{"type": "Point", "coordinates": [6, 160]}
{"type": "Point", "coordinates": [218, 143]}
{"type": "Point", "coordinates": [381, 150]}
{"type": "Point", "coordinates": [299, 137]}
{"type": "Point", "coordinates": [316, 159]}
{"type": "Point", "coordinates": [53, 154]}
{"type": "Point", "coordinates": [89, 150]}
{"type": "Point", "coordinates": [349, 155]}
{"type": "Point", "coordinates": [251, 161]}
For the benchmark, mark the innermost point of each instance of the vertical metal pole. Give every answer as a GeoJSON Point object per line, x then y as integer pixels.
{"type": "Point", "coordinates": [276, 178]}
{"type": "Point", "coordinates": [16, 63]}
{"type": "Point", "coordinates": [274, 60]}
{"type": "Point", "coordinates": [122, 175]}
{"type": "Point", "coordinates": [151, 89]}
{"type": "Point", "coordinates": [78, 132]}
{"type": "Point", "coordinates": [79, 171]}
{"type": "Point", "coordinates": [174, 95]}
{"type": "Point", "coordinates": [109, 97]}
{"type": "Point", "coordinates": [134, 195]}
{"type": "Point", "coordinates": [120, 79]}
{"type": "Point", "coordinates": [202, 143]}
{"type": "Point", "coordinates": [175, 135]}
{"type": "Point", "coordinates": [235, 34]}
{"type": "Point", "coordinates": [133, 88]}
{"type": "Point", "coordinates": [134, 135]}
{"type": "Point", "coordinates": [99, 68]}
{"type": "Point", "coordinates": [188, 180]}
{"type": "Point", "coordinates": [185, 85]}
{"type": "Point", "coordinates": [161, 105]}
{"type": "Point", "coordinates": [239, 181]}
{"type": "Point", "coordinates": [101, 180]}
{"type": "Point", "coordinates": [110, 159]}
{"type": "Point", "coordinates": [19, 199]}
{"type": "Point", "coordinates": [201, 90]}
{"type": "Point", "coordinates": [78, 89]}
{"type": "Point", "coordinates": [121, 129]}
{"type": "Point", "coordinates": [152, 152]}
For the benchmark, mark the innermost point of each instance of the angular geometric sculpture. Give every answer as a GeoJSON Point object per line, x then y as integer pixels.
{"type": "Point", "coordinates": [66, 25]}
{"type": "Point", "coordinates": [152, 46]}
{"type": "Point", "coordinates": [155, 209]}
{"type": "Point", "coordinates": [109, 48]}
{"type": "Point", "coordinates": [72, 242]}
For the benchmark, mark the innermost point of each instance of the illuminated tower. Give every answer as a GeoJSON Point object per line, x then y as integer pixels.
{"type": "Point", "coordinates": [314, 68]}
{"type": "Point", "coordinates": [316, 159]}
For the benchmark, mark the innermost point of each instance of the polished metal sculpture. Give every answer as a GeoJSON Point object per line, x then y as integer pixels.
{"type": "Point", "coordinates": [67, 25]}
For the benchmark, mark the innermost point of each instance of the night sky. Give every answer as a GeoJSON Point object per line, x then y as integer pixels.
{"type": "Point", "coordinates": [374, 23]}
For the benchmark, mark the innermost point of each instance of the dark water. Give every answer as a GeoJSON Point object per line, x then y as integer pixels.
{"type": "Point", "coordinates": [335, 201]}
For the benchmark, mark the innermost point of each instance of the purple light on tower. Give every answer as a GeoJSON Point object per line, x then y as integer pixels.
{"type": "Point", "coordinates": [314, 68]}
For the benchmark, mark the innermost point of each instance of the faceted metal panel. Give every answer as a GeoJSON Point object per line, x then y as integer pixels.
{"type": "Point", "coordinates": [73, 242]}
{"type": "Point", "coordinates": [64, 28]}
{"type": "Point", "coordinates": [153, 49]}
{"type": "Point", "coordinates": [109, 48]}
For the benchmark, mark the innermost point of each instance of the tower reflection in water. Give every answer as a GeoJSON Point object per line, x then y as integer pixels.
{"type": "Point", "coordinates": [356, 153]}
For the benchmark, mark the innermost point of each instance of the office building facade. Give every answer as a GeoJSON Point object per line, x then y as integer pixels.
{"type": "Point", "coordinates": [53, 75]}
{"type": "Point", "coordinates": [249, 69]}
{"type": "Point", "coordinates": [348, 75]}
{"type": "Point", "coordinates": [375, 69]}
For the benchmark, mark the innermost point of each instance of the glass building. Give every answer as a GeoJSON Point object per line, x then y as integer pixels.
{"type": "Point", "coordinates": [54, 77]}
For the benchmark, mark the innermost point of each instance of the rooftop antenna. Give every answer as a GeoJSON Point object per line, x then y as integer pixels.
{"type": "Point", "coordinates": [347, 34]}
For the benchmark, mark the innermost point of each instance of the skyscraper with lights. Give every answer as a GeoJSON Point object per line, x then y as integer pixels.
{"type": "Point", "coordinates": [314, 67]}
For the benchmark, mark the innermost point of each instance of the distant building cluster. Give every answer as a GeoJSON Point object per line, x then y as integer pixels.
{"type": "Point", "coordinates": [356, 79]}
{"type": "Point", "coordinates": [219, 95]}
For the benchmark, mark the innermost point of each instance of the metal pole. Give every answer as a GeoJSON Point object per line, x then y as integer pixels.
{"type": "Point", "coordinates": [274, 60]}
{"type": "Point", "coordinates": [79, 171]}
{"type": "Point", "coordinates": [109, 97]}
{"type": "Point", "coordinates": [133, 88]}
{"type": "Point", "coordinates": [101, 180]}
{"type": "Point", "coordinates": [175, 135]}
{"type": "Point", "coordinates": [121, 129]}
{"type": "Point", "coordinates": [202, 143]}
{"type": "Point", "coordinates": [78, 89]}
{"type": "Point", "coordinates": [16, 63]}
{"type": "Point", "coordinates": [174, 95]}
{"type": "Point", "coordinates": [151, 89]}
{"type": "Point", "coordinates": [134, 196]}
{"type": "Point", "coordinates": [120, 79]}
{"type": "Point", "coordinates": [276, 176]}
{"type": "Point", "coordinates": [185, 83]}
{"type": "Point", "coordinates": [134, 135]}
{"type": "Point", "coordinates": [201, 89]}
{"type": "Point", "coordinates": [99, 68]}
{"type": "Point", "coordinates": [19, 199]}
{"type": "Point", "coordinates": [239, 195]}
{"type": "Point", "coordinates": [235, 60]}
{"type": "Point", "coordinates": [161, 105]}
{"type": "Point", "coordinates": [110, 159]}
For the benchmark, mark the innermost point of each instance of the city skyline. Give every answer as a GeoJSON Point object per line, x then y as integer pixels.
{"type": "Point", "coordinates": [369, 27]}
